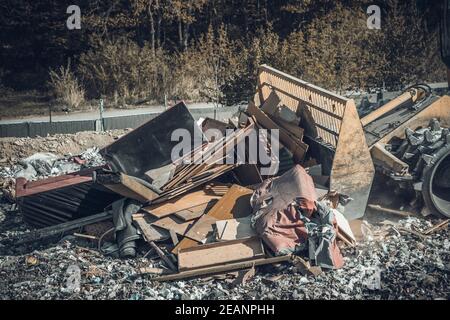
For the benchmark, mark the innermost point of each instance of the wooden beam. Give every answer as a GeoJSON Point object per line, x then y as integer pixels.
{"type": "Point", "coordinates": [181, 203]}
{"type": "Point", "coordinates": [126, 186]}
{"type": "Point", "coordinates": [222, 269]}
{"type": "Point", "coordinates": [219, 253]}
{"type": "Point", "coordinates": [439, 226]}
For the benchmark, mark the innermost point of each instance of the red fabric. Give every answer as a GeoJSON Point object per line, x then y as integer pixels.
{"type": "Point", "coordinates": [278, 222]}
{"type": "Point", "coordinates": [280, 226]}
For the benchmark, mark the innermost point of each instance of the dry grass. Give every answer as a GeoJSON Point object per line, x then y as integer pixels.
{"type": "Point", "coordinates": [66, 88]}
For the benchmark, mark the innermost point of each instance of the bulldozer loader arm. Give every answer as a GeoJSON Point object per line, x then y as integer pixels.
{"type": "Point", "coordinates": [394, 124]}
{"type": "Point", "coordinates": [333, 131]}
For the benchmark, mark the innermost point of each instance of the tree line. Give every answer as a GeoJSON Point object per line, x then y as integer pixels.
{"type": "Point", "coordinates": [134, 51]}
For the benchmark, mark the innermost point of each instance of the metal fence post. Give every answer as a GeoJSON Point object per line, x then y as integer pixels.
{"type": "Point", "coordinates": [102, 127]}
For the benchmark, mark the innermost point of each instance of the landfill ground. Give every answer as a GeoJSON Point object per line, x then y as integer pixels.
{"type": "Point", "coordinates": [388, 263]}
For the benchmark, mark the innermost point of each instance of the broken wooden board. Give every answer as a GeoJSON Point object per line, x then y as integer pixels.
{"type": "Point", "coordinates": [399, 213]}
{"type": "Point", "coordinates": [233, 229]}
{"type": "Point", "coordinates": [203, 227]}
{"type": "Point", "coordinates": [218, 253]}
{"type": "Point", "coordinates": [180, 203]}
{"type": "Point", "coordinates": [172, 223]}
{"type": "Point", "coordinates": [298, 148]}
{"type": "Point", "coordinates": [158, 271]}
{"type": "Point", "coordinates": [243, 276]}
{"type": "Point", "coordinates": [344, 230]}
{"type": "Point", "coordinates": [234, 204]}
{"type": "Point", "coordinates": [355, 226]}
{"type": "Point", "coordinates": [294, 130]}
{"type": "Point", "coordinates": [222, 268]}
{"type": "Point", "coordinates": [195, 212]}
{"type": "Point", "coordinates": [437, 227]}
{"type": "Point", "coordinates": [126, 186]}
{"type": "Point", "coordinates": [270, 105]}
{"type": "Point", "coordinates": [149, 232]}
{"type": "Point", "coordinates": [217, 189]}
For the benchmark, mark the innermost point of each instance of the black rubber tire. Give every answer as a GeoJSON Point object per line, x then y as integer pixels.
{"type": "Point", "coordinates": [428, 174]}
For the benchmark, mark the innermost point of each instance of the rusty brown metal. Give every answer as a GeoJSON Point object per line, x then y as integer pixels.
{"type": "Point", "coordinates": [26, 188]}
{"type": "Point", "coordinates": [61, 199]}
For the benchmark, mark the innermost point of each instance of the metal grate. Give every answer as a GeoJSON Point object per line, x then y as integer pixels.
{"type": "Point", "coordinates": [324, 107]}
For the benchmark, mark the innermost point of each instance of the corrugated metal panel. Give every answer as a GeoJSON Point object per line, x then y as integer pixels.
{"type": "Point", "coordinates": [127, 121]}
{"type": "Point", "coordinates": [14, 130]}
{"type": "Point", "coordinates": [33, 129]}
{"type": "Point", "coordinates": [65, 204]}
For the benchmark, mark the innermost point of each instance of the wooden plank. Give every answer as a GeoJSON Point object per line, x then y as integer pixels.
{"type": "Point", "coordinates": [150, 233]}
{"type": "Point", "coordinates": [399, 213]}
{"type": "Point", "coordinates": [218, 253]}
{"type": "Point", "coordinates": [150, 270]}
{"type": "Point", "coordinates": [130, 188]}
{"type": "Point", "coordinates": [297, 148]}
{"type": "Point", "coordinates": [188, 186]}
{"type": "Point", "coordinates": [173, 223]}
{"type": "Point", "coordinates": [195, 212]}
{"type": "Point", "coordinates": [186, 201]}
{"type": "Point", "coordinates": [270, 105]}
{"type": "Point", "coordinates": [234, 204]}
{"type": "Point", "coordinates": [294, 130]}
{"type": "Point", "coordinates": [233, 229]}
{"type": "Point", "coordinates": [437, 227]}
{"type": "Point", "coordinates": [222, 269]}
{"type": "Point", "coordinates": [203, 227]}
{"type": "Point", "coordinates": [174, 237]}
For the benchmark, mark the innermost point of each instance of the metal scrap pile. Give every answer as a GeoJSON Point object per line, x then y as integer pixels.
{"type": "Point", "coordinates": [212, 217]}
{"type": "Point", "coordinates": [189, 199]}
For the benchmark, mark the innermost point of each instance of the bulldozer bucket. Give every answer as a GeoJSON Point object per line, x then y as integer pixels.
{"type": "Point", "coordinates": [394, 124]}
{"type": "Point", "coordinates": [428, 168]}
{"type": "Point", "coordinates": [333, 131]}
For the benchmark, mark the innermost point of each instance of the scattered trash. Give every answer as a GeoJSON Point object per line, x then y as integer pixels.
{"type": "Point", "coordinates": [130, 221]}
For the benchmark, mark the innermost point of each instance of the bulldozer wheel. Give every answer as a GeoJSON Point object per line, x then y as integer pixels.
{"type": "Point", "coordinates": [436, 183]}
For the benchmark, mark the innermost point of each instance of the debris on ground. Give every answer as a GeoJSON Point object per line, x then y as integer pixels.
{"type": "Point", "coordinates": [134, 219]}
